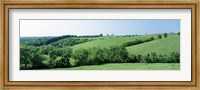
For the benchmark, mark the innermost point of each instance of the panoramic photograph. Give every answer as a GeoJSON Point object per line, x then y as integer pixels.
{"type": "Point", "coordinates": [99, 44]}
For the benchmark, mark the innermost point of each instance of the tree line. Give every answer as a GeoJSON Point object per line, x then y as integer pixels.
{"type": "Point", "coordinates": [131, 43]}
{"type": "Point", "coordinates": [34, 58]}
{"type": "Point", "coordinates": [69, 42]}
{"type": "Point", "coordinates": [41, 41]}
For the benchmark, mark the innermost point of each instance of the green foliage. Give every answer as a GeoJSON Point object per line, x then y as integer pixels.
{"type": "Point", "coordinates": [96, 50]}
{"type": "Point", "coordinates": [118, 54]}
{"type": "Point", "coordinates": [37, 61]}
{"type": "Point", "coordinates": [101, 35]}
{"type": "Point", "coordinates": [33, 41]}
{"type": "Point", "coordinates": [178, 33]}
{"type": "Point", "coordinates": [80, 56]}
{"type": "Point", "coordinates": [152, 38]}
{"type": "Point", "coordinates": [132, 58]}
{"type": "Point", "coordinates": [25, 57]}
{"type": "Point", "coordinates": [159, 37]}
{"type": "Point", "coordinates": [69, 42]}
{"type": "Point", "coordinates": [174, 58]}
{"type": "Point", "coordinates": [95, 56]}
{"type": "Point", "coordinates": [30, 58]}
{"type": "Point", "coordinates": [63, 61]}
{"type": "Point", "coordinates": [165, 35]}
{"type": "Point", "coordinates": [131, 43]}
{"type": "Point", "coordinates": [54, 39]}
{"type": "Point", "coordinates": [39, 41]}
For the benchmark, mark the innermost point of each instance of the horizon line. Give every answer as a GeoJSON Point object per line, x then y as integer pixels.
{"type": "Point", "coordinates": [99, 34]}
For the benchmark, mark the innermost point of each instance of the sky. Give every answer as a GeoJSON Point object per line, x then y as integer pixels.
{"type": "Point", "coordinates": [34, 28]}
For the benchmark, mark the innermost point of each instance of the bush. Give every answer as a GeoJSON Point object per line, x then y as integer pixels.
{"type": "Point", "coordinates": [162, 58]}
{"type": "Point", "coordinates": [118, 54]}
{"type": "Point", "coordinates": [153, 58]}
{"type": "Point", "coordinates": [37, 61]}
{"type": "Point", "coordinates": [165, 35]}
{"type": "Point", "coordinates": [95, 56]}
{"type": "Point", "coordinates": [132, 58]}
{"type": "Point", "coordinates": [25, 57]}
{"type": "Point", "coordinates": [174, 57]}
{"type": "Point", "coordinates": [137, 42]}
{"type": "Point", "coordinates": [63, 61]}
{"type": "Point", "coordinates": [80, 56]}
{"type": "Point", "coordinates": [159, 37]}
{"type": "Point", "coordinates": [139, 58]}
{"type": "Point", "coordinates": [31, 58]}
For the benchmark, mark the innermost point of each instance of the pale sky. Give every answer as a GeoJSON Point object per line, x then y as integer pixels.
{"type": "Point", "coordinates": [33, 28]}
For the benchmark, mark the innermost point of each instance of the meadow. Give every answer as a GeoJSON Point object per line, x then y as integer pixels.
{"type": "Point", "coordinates": [127, 66]}
{"type": "Point", "coordinates": [101, 52]}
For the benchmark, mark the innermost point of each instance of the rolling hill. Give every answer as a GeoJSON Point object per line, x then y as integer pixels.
{"type": "Point", "coordinates": [160, 46]}
{"type": "Point", "coordinates": [107, 41]}
{"type": "Point", "coordinates": [57, 52]}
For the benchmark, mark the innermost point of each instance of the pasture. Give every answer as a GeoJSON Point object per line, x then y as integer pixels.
{"type": "Point", "coordinates": [127, 66]}
{"type": "Point", "coordinates": [161, 46]}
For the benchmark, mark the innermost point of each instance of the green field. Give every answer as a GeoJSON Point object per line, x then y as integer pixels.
{"type": "Point", "coordinates": [54, 54]}
{"type": "Point", "coordinates": [107, 41]}
{"type": "Point", "coordinates": [161, 46]}
{"type": "Point", "coordinates": [127, 66]}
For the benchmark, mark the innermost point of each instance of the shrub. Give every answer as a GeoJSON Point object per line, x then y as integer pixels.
{"type": "Point", "coordinates": [31, 58]}
{"type": "Point", "coordinates": [132, 58]}
{"type": "Point", "coordinates": [159, 37]}
{"type": "Point", "coordinates": [139, 58]}
{"type": "Point", "coordinates": [63, 61]}
{"type": "Point", "coordinates": [165, 35]}
{"type": "Point", "coordinates": [80, 56]}
{"type": "Point", "coordinates": [25, 57]}
{"type": "Point", "coordinates": [174, 57]}
{"type": "Point", "coordinates": [162, 58]}
{"type": "Point", "coordinates": [95, 56]}
{"type": "Point", "coordinates": [118, 54]}
{"type": "Point", "coordinates": [137, 42]}
{"type": "Point", "coordinates": [178, 33]}
{"type": "Point", "coordinates": [37, 61]}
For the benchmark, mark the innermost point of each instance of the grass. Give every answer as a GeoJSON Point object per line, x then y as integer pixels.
{"type": "Point", "coordinates": [107, 41]}
{"type": "Point", "coordinates": [161, 46]}
{"type": "Point", "coordinates": [127, 66]}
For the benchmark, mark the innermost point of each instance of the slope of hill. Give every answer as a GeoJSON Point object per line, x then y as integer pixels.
{"type": "Point", "coordinates": [160, 46]}
{"type": "Point", "coordinates": [108, 41]}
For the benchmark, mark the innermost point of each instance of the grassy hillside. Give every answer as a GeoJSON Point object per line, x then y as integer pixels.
{"type": "Point", "coordinates": [108, 41]}
{"type": "Point", "coordinates": [127, 66]}
{"type": "Point", "coordinates": [161, 46]}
